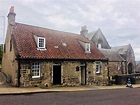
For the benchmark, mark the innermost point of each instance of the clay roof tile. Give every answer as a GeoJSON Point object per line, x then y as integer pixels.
{"type": "Point", "coordinates": [59, 45]}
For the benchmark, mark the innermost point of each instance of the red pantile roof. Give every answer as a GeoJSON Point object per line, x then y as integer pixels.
{"type": "Point", "coordinates": [26, 47]}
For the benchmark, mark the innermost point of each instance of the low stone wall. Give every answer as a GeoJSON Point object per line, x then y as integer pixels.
{"type": "Point", "coordinates": [122, 79]}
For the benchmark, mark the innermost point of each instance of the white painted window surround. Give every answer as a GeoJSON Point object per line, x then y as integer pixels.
{"type": "Point", "coordinates": [35, 70]}
{"type": "Point", "coordinates": [87, 47]}
{"type": "Point", "coordinates": [99, 45]}
{"type": "Point", "coordinates": [41, 43]}
{"type": "Point", "coordinates": [98, 68]}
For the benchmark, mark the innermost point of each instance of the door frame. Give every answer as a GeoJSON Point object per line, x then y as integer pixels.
{"type": "Point", "coordinates": [59, 76]}
{"type": "Point", "coordinates": [83, 78]}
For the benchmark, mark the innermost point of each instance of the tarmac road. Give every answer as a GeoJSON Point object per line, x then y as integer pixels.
{"type": "Point", "coordinates": [127, 96]}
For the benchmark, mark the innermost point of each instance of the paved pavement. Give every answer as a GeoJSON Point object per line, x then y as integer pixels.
{"type": "Point", "coordinates": [7, 90]}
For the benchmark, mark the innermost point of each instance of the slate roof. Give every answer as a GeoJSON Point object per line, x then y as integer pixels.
{"type": "Point", "coordinates": [121, 49]}
{"type": "Point", "coordinates": [112, 55]}
{"type": "Point", "coordinates": [95, 36]}
{"type": "Point", "coordinates": [26, 48]}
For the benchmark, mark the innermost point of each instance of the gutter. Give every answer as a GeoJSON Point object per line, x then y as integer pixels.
{"type": "Point", "coordinates": [62, 59]}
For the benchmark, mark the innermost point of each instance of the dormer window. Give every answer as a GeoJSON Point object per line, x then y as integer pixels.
{"type": "Point", "coordinates": [87, 47]}
{"type": "Point", "coordinates": [41, 43]}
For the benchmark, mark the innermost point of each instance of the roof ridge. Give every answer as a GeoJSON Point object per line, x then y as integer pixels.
{"type": "Point", "coordinates": [121, 46]}
{"type": "Point", "coordinates": [46, 28]}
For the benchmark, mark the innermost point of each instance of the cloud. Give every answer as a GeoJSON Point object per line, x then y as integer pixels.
{"type": "Point", "coordinates": [62, 21]}
{"type": "Point", "coordinates": [119, 20]}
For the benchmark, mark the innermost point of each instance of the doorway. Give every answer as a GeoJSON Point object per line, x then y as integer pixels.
{"type": "Point", "coordinates": [130, 68]}
{"type": "Point", "coordinates": [83, 75]}
{"type": "Point", "coordinates": [56, 74]}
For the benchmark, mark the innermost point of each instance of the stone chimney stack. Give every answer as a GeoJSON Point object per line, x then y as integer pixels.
{"type": "Point", "coordinates": [11, 16]}
{"type": "Point", "coordinates": [84, 31]}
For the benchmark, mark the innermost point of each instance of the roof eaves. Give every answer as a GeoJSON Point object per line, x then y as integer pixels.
{"type": "Point", "coordinates": [63, 59]}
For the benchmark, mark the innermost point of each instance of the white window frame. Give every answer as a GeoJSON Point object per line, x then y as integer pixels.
{"type": "Point", "coordinates": [98, 67]}
{"type": "Point", "coordinates": [87, 47]}
{"type": "Point", "coordinates": [35, 70]}
{"type": "Point", "coordinates": [43, 43]}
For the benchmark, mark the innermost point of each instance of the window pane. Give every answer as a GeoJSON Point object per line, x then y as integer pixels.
{"type": "Point", "coordinates": [99, 45]}
{"type": "Point", "coordinates": [41, 42]}
{"type": "Point", "coordinates": [87, 47]}
{"type": "Point", "coordinates": [97, 67]}
{"type": "Point", "coordinates": [35, 70]}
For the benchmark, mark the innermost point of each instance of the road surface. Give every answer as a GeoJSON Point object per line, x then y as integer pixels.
{"type": "Point", "coordinates": [128, 96]}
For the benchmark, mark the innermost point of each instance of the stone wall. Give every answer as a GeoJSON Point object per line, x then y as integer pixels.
{"type": "Point", "coordinates": [70, 74]}
{"type": "Point", "coordinates": [9, 64]}
{"type": "Point", "coordinates": [101, 78]}
{"type": "Point", "coordinates": [116, 68]}
{"type": "Point", "coordinates": [45, 74]}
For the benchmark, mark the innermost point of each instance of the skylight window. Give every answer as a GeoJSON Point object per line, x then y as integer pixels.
{"type": "Point", "coordinates": [64, 44]}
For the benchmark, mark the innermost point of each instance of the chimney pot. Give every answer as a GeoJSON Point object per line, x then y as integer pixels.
{"type": "Point", "coordinates": [11, 19]}
{"type": "Point", "coordinates": [83, 28]}
{"type": "Point", "coordinates": [12, 9]}
{"type": "Point", "coordinates": [11, 16]}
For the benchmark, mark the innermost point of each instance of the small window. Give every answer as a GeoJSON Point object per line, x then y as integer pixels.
{"type": "Point", "coordinates": [41, 43]}
{"type": "Point", "coordinates": [11, 45]}
{"type": "Point", "coordinates": [35, 70]}
{"type": "Point", "coordinates": [4, 48]}
{"type": "Point", "coordinates": [99, 45]}
{"type": "Point", "coordinates": [118, 66]}
{"type": "Point", "coordinates": [98, 68]}
{"type": "Point", "coordinates": [87, 47]}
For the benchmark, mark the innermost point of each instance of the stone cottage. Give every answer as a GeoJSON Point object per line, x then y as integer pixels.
{"type": "Point", "coordinates": [36, 56]}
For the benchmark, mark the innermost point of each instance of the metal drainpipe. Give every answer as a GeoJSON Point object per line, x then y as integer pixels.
{"type": "Point", "coordinates": [85, 73]}
{"type": "Point", "coordinates": [126, 67]}
{"type": "Point", "coordinates": [18, 76]}
{"type": "Point", "coordinates": [108, 73]}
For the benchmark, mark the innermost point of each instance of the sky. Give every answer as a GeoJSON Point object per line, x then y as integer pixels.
{"type": "Point", "coordinates": [119, 20]}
